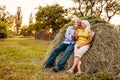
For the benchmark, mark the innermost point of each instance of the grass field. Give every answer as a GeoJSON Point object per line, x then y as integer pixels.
{"type": "Point", "coordinates": [21, 58]}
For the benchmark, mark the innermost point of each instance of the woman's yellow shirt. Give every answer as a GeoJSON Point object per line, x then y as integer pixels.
{"type": "Point", "coordinates": [82, 36]}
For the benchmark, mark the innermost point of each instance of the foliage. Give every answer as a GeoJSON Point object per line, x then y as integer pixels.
{"type": "Point", "coordinates": [18, 19]}
{"type": "Point", "coordinates": [3, 13]}
{"type": "Point", "coordinates": [11, 34]}
{"type": "Point", "coordinates": [27, 30]}
{"type": "Point", "coordinates": [6, 17]}
{"type": "Point", "coordinates": [112, 8]}
{"type": "Point", "coordinates": [97, 8]}
{"type": "Point", "coordinates": [93, 19]}
{"type": "Point", "coordinates": [10, 20]}
{"type": "Point", "coordinates": [50, 17]}
{"type": "Point", "coordinates": [3, 30]}
{"type": "Point", "coordinates": [31, 19]}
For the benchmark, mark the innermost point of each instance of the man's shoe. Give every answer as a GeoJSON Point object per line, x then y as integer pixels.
{"type": "Point", "coordinates": [55, 70]}
{"type": "Point", "coordinates": [47, 66]}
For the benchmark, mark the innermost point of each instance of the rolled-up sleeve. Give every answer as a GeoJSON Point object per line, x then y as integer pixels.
{"type": "Point", "coordinates": [69, 32]}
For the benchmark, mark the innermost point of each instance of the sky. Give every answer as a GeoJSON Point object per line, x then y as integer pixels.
{"type": "Point", "coordinates": [28, 6]}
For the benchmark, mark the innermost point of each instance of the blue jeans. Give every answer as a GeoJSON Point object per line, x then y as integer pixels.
{"type": "Point", "coordinates": [67, 48]}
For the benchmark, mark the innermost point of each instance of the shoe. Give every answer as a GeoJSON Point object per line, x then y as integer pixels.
{"type": "Point", "coordinates": [78, 73]}
{"type": "Point", "coordinates": [55, 70]}
{"type": "Point", "coordinates": [70, 71]}
{"type": "Point", "coordinates": [47, 66]}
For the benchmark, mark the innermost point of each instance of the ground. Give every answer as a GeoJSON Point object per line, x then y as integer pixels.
{"type": "Point", "coordinates": [22, 58]}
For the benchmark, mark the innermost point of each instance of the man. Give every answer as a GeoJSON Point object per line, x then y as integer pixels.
{"type": "Point", "coordinates": [67, 46]}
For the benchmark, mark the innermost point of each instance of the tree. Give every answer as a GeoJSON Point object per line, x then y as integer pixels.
{"type": "Point", "coordinates": [27, 30]}
{"type": "Point", "coordinates": [30, 19]}
{"type": "Point", "coordinates": [18, 19]}
{"type": "Point", "coordinates": [3, 29]}
{"type": "Point", "coordinates": [112, 8]}
{"type": "Point", "coordinates": [79, 6]}
{"type": "Point", "coordinates": [4, 15]}
{"type": "Point", "coordinates": [10, 21]}
{"type": "Point", "coordinates": [50, 17]}
{"type": "Point", "coordinates": [97, 7]}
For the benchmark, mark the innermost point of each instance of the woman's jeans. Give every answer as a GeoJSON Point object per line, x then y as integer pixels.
{"type": "Point", "coordinates": [67, 48]}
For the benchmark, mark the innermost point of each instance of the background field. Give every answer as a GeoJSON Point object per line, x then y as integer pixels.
{"type": "Point", "coordinates": [21, 58]}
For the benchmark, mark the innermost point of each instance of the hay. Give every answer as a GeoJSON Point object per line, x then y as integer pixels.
{"type": "Point", "coordinates": [104, 51]}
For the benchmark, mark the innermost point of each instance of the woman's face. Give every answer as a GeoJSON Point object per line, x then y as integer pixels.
{"type": "Point", "coordinates": [83, 25]}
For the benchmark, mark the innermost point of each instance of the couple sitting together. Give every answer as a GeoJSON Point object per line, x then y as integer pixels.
{"type": "Point", "coordinates": [77, 39]}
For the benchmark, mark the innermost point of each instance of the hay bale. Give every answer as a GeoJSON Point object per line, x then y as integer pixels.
{"type": "Point", "coordinates": [105, 49]}
{"type": "Point", "coordinates": [104, 52]}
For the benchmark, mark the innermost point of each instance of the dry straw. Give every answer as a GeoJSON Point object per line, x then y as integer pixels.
{"type": "Point", "coordinates": [104, 52]}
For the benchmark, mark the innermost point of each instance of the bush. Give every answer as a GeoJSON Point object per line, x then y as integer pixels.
{"type": "Point", "coordinates": [27, 30]}
{"type": "Point", "coordinates": [3, 30]}
{"type": "Point", "coordinates": [11, 34]}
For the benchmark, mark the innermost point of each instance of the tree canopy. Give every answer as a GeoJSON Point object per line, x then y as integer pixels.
{"type": "Point", "coordinates": [50, 17]}
{"type": "Point", "coordinates": [3, 29]}
{"type": "Point", "coordinates": [18, 19]}
{"type": "Point", "coordinates": [98, 7]}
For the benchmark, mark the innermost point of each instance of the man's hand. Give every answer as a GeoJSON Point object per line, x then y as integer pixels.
{"type": "Point", "coordinates": [75, 35]}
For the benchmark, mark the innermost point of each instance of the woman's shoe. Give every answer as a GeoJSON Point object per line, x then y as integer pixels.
{"type": "Point", "coordinates": [78, 73]}
{"type": "Point", "coordinates": [70, 71]}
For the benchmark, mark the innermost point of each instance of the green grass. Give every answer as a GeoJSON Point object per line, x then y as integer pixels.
{"type": "Point", "coordinates": [21, 58]}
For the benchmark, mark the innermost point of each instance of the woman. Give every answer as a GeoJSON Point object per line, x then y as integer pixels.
{"type": "Point", "coordinates": [83, 36]}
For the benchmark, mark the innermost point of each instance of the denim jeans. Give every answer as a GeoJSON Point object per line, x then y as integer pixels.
{"type": "Point", "coordinates": [67, 48]}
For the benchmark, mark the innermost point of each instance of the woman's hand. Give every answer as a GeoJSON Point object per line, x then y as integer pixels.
{"type": "Point", "coordinates": [79, 46]}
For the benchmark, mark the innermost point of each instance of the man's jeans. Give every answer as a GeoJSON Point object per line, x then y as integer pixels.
{"type": "Point", "coordinates": [67, 48]}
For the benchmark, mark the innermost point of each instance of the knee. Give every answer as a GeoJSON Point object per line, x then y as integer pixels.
{"type": "Point", "coordinates": [79, 62]}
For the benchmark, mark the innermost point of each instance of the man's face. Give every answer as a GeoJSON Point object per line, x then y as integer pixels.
{"type": "Point", "coordinates": [77, 24]}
